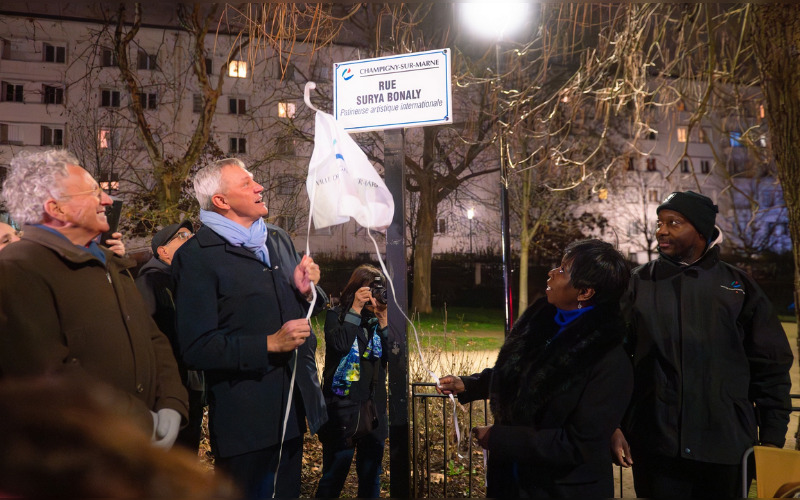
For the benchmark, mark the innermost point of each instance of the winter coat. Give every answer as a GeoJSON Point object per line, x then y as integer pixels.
{"type": "Point", "coordinates": [227, 301]}
{"type": "Point", "coordinates": [556, 399]}
{"type": "Point", "coordinates": [706, 347]}
{"type": "Point", "coordinates": [339, 338]}
{"type": "Point", "coordinates": [60, 306]}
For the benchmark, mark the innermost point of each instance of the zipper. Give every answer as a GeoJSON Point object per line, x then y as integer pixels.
{"type": "Point", "coordinates": [108, 276]}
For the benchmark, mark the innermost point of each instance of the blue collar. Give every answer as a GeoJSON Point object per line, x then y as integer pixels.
{"type": "Point", "coordinates": [93, 248]}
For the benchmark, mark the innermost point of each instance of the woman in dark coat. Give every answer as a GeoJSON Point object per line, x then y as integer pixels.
{"type": "Point", "coordinates": [560, 386]}
{"type": "Point", "coordinates": [355, 370]}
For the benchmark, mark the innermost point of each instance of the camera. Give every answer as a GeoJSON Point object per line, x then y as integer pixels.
{"type": "Point", "coordinates": [378, 291]}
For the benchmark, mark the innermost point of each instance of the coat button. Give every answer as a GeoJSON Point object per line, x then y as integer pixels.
{"type": "Point", "coordinates": [688, 450]}
{"type": "Point", "coordinates": [74, 361]}
{"type": "Point", "coordinates": [140, 388]}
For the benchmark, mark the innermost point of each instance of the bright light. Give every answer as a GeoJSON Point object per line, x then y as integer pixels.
{"type": "Point", "coordinates": [286, 109]}
{"type": "Point", "coordinates": [237, 69]}
{"type": "Point", "coordinates": [495, 19]}
{"type": "Point", "coordinates": [471, 213]}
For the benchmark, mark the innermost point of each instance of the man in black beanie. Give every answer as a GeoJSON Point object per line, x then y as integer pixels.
{"type": "Point", "coordinates": [711, 363]}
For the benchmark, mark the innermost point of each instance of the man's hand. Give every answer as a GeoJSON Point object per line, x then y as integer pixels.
{"type": "Point", "coordinates": [450, 384]}
{"type": "Point", "coordinates": [291, 336]}
{"type": "Point", "coordinates": [166, 424]}
{"type": "Point", "coordinates": [115, 244]}
{"type": "Point", "coordinates": [305, 273]}
{"type": "Point", "coordinates": [481, 435]}
{"type": "Point", "coordinates": [620, 451]}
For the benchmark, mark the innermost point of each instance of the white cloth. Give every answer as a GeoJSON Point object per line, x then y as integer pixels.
{"type": "Point", "coordinates": [342, 183]}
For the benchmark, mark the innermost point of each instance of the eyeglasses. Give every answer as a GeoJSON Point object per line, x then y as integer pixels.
{"type": "Point", "coordinates": [179, 236]}
{"type": "Point", "coordinates": [97, 192]}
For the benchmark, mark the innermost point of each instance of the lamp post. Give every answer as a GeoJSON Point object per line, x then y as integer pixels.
{"type": "Point", "coordinates": [470, 216]}
{"type": "Point", "coordinates": [499, 20]}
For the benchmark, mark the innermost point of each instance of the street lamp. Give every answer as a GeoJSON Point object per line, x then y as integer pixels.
{"type": "Point", "coordinates": [470, 216]}
{"type": "Point", "coordinates": [499, 20]}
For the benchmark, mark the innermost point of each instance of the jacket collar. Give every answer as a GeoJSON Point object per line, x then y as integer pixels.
{"type": "Point", "coordinates": [206, 237]}
{"type": "Point", "coordinates": [67, 250]}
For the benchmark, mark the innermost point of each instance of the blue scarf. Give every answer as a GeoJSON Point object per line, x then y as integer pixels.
{"type": "Point", "coordinates": [253, 239]}
{"type": "Point", "coordinates": [563, 318]}
{"type": "Point", "coordinates": [93, 248]}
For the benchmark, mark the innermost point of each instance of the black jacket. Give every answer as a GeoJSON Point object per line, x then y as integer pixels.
{"type": "Point", "coordinates": [556, 400]}
{"type": "Point", "coordinates": [227, 302]}
{"type": "Point", "coordinates": [706, 347]}
{"type": "Point", "coordinates": [339, 338]}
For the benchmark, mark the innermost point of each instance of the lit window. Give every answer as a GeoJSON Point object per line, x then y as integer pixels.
{"type": "Point", "coordinates": [761, 112]}
{"type": "Point", "coordinates": [106, 138]}
{"type": "Point", "coordinates": [237, 69]}
{"type": "Point", "coordinates": [286, 109]}
{"type": "Point", "coordinates": [682, 134]}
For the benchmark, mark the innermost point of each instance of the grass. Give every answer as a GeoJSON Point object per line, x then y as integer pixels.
{"type": "Point", "coordinates": [461, 328]}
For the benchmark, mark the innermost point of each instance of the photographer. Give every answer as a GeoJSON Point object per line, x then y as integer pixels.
{"type": "Point", "coordinates": [355, 385]}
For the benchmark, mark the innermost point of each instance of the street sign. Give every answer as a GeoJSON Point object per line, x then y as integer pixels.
{"type": "Point", "coordinates": [407, 90]}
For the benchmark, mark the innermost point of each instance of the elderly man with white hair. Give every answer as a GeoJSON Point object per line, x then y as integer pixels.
{"type": "Point", "coordinates": [68, 304]}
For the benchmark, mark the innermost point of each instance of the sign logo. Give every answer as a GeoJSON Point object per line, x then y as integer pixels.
{"type": "Point", "coordinates": [347, 74]}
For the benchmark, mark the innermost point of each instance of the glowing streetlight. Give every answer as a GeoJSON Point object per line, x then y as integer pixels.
{"type": "Point", "coordinates": [497, 21]}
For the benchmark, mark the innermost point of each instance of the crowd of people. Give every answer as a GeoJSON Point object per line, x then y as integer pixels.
{"type": "Point", "coordinates": [673, 369]}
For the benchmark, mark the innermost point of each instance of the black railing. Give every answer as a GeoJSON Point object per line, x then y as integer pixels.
{"type": "Point", "coordinates": [427, 442]}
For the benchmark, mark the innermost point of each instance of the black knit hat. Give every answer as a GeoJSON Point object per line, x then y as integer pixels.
{"type": "Point", "coordinates": [698, 209]}
{"type": "Point", "coordinates": [162, 237]}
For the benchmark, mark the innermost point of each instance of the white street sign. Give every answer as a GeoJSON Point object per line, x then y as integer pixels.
{"type": "Point", "coordinates": [407, 90]}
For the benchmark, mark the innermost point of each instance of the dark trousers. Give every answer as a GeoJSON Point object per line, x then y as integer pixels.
{"type": "Point", "coordinates": [336, 460]}
{"type": "Point", "coordinates": [656, 476]}
{"type": "Point", "coordinates": [254, 472]}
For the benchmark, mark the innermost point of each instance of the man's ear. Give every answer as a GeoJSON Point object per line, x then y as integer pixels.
{"type": "Point", "coordinates": [585, 294]}
{"type": "Point", "coordinates": [53, 210]}
{"type": "Point", "coordinates": [219, 201]}
{"type": "Point", "coordinates": [162, 253]}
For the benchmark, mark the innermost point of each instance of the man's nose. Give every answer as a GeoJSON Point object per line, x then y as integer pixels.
{"type": "Point", "coordinates": [105, 199]}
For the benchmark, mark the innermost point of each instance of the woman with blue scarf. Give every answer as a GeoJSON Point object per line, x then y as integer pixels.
{"type": "Point", "coordinates": [560, 385]}
{"type": "Point", "coordinates": [355, 370]}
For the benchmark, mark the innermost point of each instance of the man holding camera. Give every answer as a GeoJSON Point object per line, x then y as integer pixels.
{"type": "Point", "coordinates": [67, 304]}
{"type": "Point", "coordinates": [241, 298]}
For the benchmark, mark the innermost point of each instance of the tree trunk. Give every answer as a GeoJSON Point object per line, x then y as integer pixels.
{"type": "Point", "coordinates": [423, 252]}
{"type": "Point", "coordinates": [776, 34]}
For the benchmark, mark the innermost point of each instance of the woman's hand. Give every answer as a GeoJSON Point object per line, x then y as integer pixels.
{"type": "Point", "coordinates": [363, 296]}
{"type": "Point", "coordinates": [450, 384]}
{"type": "Point", "coordinates": [481, 435]}
{"type": "Point", "coordinates": [381, 312]}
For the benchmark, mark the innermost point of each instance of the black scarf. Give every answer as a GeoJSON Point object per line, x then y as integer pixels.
{"type": "Point", "coordinates": [533, 366]}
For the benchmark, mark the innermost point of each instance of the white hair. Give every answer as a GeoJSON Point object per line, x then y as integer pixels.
{"type": "Point", "coordinates": [32, 179]}
{"type": "Point", "coordinates": [208, 181]}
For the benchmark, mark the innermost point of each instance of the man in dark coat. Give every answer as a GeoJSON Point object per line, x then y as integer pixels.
{"type": "Point", "coordinates": [155, 284]}
{"type": "Point", "coordinates": [68, 304]}
{"type": "Point", "coordinates": [242, 294]}
{"type": "Point", "coordinates": [711, 363]}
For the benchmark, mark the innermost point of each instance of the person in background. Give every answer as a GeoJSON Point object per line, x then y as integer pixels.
{"type": "Point", "coordinates": [68, 304]}
{"type": "Point", "coordinates": [241, 298]}
{"type": "Point", "coordinates": [711, 362]}
{"type": "Point", "coordinates": [560, 385]}
{"type": "Point", "coordinates": [155, 284]}
{"type": "Point", "coordinates": [7, 235]}
{"type": "Point", "coordinates": [355, 370]}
